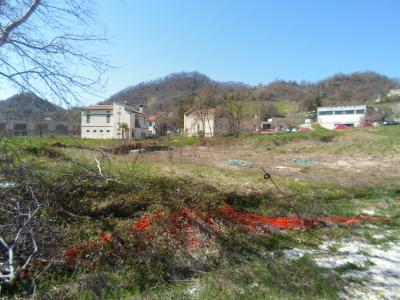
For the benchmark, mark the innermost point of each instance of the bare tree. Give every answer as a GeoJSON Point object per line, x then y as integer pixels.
{"type": "Point", "coordinates": [234, 106]}
{"type": "Point", "coordinates": [43, 47]}
{"type": "Point", "coordinates": [19, 209]}
{"type": "Point", "coordinates": [202, 115]}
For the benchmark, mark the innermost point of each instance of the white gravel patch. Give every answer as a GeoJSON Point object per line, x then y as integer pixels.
{"type": "Point", "coordinates": [380, 274]}
{"type": "Point", "coordinates": [368, 212]}
{"type": "Point", "coordinates": [294, 253]}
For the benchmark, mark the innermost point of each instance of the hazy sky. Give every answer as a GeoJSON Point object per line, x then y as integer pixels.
{"type": "Point", "coordinates": [249, 41]}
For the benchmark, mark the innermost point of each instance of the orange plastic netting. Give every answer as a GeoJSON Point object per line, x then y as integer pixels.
{"type": "Point", "coordinates": [252, 220]}
{"type": "Point", "coordinates": [187, 221]}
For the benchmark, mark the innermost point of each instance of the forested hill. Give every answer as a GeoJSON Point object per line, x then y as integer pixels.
{"type": "Point", "coordinates": [27, 105]}
{"type": "Point", "coordinates": [167, 94]}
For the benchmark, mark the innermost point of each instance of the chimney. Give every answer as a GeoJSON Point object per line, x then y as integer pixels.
{"type": "Point", "coordinates": [141, 108]}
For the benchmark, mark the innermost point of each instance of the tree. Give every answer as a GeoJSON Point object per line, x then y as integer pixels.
{"type": "Point", "coordinates": [202, 115]}
{"type": "Point", "coordinates": [43, 51]}
{"type": "Point", "coordinates": [201, 106]}
{"type": "Point", "coordinates": [235, 108]}
{"type": "Point", "coordinates": [124, 129]}
{"type": "Point", "coordinates": [43, 48]}
{"type": "Point", "coordinates": [270, 111]}
{"type": "Point", "coordinates": [311, 106]}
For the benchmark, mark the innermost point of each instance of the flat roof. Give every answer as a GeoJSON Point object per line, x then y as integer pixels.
{"type": "Point", "coordinates": [323, 108]}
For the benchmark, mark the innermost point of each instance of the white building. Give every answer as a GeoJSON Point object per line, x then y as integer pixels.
{"type": "Point", "coordinates": [207, 122]}
{"type": "Point", "coordinates": [393, 93]}
{"type": "Point", "coordinates": [114, 121]}
{"type": "Point", "coordinates": [199, 122]}
{"type": "Point", "coordinates": [329, 117]}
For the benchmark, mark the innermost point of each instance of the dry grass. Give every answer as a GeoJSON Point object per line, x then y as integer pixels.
{"type": "Point", "coordinates": [354, 159]}
{"type": "Point", "coordinates": [353, 171]}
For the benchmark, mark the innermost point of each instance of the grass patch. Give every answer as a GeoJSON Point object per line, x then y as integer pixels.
{"type": "Point", "coordinates": [235, 264]}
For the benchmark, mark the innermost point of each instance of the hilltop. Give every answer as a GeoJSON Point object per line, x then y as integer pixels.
{"type": "Point", "coordinates": [27, 105]}
{"type": "Point", "coordinates": [168, 93]}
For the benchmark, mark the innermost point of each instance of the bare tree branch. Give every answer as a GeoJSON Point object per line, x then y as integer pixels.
{"type": "Point", "coordinates": [6, 30]}
{"type": "Point", "coordinates": [44, 48]}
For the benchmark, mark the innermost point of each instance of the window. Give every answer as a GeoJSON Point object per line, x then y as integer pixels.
{"type": "Point", "coordinates": [325, 113]}
{"type": "Point", "coordinates": [108, 130]}
{"type": "Point", "coordinates": [360, 111]}
{"type": "Point", "coordinates": [349, 112]}
{"type": "Point", "coordinates": [87, 130]}
{"type": "Point", "coordinates": [94, 130]}
{"type": "Point", "coordinates": [340, 112]}
{"type": "Point", "coordinates": [137, 124]}
{"type": "Point", "coordinates": [108, 118]}
{"type": "Point", "coordinates": [101, 130]}
{"type": "Point", "coordinates": [87, 118]}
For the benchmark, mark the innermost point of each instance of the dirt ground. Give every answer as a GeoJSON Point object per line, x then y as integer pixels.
{"type": "Point", "coordinates": [298, 161]}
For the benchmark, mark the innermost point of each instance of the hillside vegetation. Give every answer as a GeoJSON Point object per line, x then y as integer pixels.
{"type": "Point", "coordinates": [27, 105]}
{"type": "Point", "coordinates": [174, 94]}
{"type": "Point", "coordinates": [168, 93]}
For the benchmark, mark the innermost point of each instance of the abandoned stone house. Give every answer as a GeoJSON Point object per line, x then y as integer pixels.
{"type": "Point", "coordinates": [215, 122]}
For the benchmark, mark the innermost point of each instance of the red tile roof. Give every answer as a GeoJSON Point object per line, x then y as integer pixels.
{"type": "Point", "coordinates": [91, 107]}
{"type": "Point", "coordinates": [193, 110]}
{"type": "Point", "coordinates": [152, 117]}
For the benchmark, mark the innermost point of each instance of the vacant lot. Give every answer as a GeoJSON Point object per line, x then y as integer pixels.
{"type": "Point", "coordinates": [314, 174]}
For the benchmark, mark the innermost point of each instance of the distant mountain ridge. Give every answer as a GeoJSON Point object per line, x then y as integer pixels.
{"type": "Point", "coordinates": [27, 105]}
{"type": "Point", "coordinates": [169, 93]}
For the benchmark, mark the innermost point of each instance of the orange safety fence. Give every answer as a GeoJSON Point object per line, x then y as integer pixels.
{"type": "Point", "coordinates": [83, 249]}
{"type": "Point", "coordinates": [256, 220]}
{"type": "Point", "coordinates": [185, 221]}
{"type": "Point", "coordinates": [289, 222]}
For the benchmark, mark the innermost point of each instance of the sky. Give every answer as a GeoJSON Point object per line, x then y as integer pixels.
{"type": "Point", "coordinates": [250, 41]}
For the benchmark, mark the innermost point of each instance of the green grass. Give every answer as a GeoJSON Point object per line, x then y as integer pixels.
{"type": "Point", "coordinates": [239, 265]}
{"type": "Point", "coordinates": [281, 138]}
{"type": "Point", "coordinates": [286, 107]}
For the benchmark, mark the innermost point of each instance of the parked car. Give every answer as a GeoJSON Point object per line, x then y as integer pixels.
{"type": "Point", "coordinates": [342, 127]}
{"type": "Point", "coordinates": [292, 129]}
{"type": "Point", "coordinates": [389, 121]}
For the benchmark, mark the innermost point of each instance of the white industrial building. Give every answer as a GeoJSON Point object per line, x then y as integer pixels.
{"type": "Point", "coordinates": [329, 117]}
{"type": "Point", "coordinates": [114, 121]}
{"type": "Point", "coordinates": [34, 127]}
